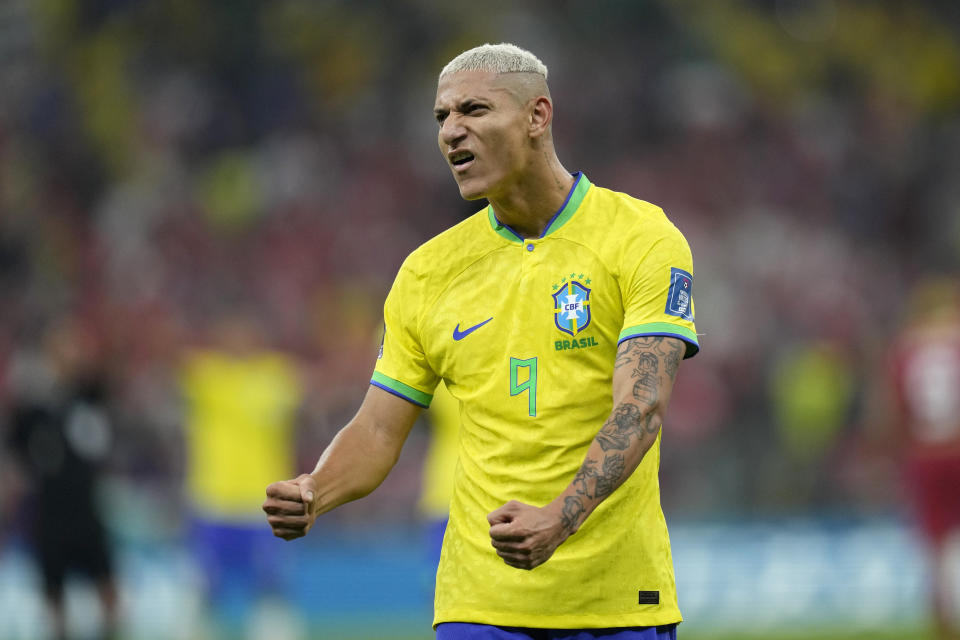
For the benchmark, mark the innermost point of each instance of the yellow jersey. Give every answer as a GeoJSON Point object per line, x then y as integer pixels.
{"type": "Point", "coordinates": [441, 460]}
{"type": "Point", "coordinates": [524, 333]}
{"type": "Point", "coordinates": [240, 419]}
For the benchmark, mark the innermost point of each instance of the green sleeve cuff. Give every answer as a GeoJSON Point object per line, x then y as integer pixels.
{"type": "Point", "coordinates": [663, 329]}
{"type": "Point", "coordinates": [401, 390]}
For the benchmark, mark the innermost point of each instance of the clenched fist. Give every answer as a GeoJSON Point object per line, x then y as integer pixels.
{"type": "Point", "coordinates": [291, 506]}
{"type": "Point", "coordinates": [526, 536]}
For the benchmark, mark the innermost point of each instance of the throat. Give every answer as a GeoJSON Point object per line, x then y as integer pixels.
{"type": "Point", "coordinates": [526, 229]}
{"type": "Point", "coordinates": [530, 216]}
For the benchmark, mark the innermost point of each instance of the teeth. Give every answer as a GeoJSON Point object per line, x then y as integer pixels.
{"type": "Point", "coordinates": [460, 158]}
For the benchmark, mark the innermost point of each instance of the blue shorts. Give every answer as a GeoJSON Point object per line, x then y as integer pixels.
{"type": "Point", "coordinates": [469, 631]}
{"type": "Point", "coordinates": [433, 534]}
{"type": "Point", "coordinates": [239, 562]}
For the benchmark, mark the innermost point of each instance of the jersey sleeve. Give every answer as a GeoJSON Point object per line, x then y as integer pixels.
{"type": "Point", "coordinates": [402, 368]}
{"type": "Point", "coordinates": [658, 291]}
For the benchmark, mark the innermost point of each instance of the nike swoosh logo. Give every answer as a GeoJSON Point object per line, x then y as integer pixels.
{"type": "Point", "coordinates": [460, 335]}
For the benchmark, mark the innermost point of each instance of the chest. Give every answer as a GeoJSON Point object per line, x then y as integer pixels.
{"type": "Point", "coordinates": [547, 303]}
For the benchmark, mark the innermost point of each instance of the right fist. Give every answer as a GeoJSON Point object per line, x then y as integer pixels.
{"type": "Point", "coordinates": [290, 506]}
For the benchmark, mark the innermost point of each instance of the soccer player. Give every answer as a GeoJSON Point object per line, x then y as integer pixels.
{"type": "Point", "coordinates": [923, 382]}
{"type": "Point", "coordinates": [241, 401]}
{"type": "Point", "coordinates": [439, 468]}
{"type": "Point", "coordinates": [557, 317]}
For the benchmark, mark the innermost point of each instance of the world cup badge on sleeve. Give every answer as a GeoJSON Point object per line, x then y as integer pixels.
{"type": "Point", "coordinates": [571, 307]}
{"type": "Point", "coordinates": [680, 294]}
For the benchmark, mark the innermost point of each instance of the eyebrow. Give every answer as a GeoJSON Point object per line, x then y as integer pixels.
{"type": "Point", "coordinates": [463, 104]}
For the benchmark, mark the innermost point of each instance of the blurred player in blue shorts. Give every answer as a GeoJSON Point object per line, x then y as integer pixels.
{"type": "Point", "coordinates": [439, 469]}
{"type": "Point", "coordinates": [241, 402]}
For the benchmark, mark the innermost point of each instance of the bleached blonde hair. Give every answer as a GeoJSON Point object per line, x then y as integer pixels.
{"type": "Point", "coordinates": [496, 58]}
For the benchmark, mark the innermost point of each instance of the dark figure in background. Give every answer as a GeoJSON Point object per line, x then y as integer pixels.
{"type": "Point", "coordinates": [61, 438]}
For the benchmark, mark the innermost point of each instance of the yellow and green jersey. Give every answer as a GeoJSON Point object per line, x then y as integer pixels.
{"type": "Point", "coordinates": [524, 333]}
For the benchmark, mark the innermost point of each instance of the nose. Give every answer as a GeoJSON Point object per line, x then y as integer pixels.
{"type": "Point", "coordinates": [452, 130]}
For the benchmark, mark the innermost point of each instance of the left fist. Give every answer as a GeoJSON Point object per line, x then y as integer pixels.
{"type": "Point", "coordinates": [525, 536]}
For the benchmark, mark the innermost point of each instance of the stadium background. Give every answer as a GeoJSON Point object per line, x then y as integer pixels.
{"type": "Point", "coordinates": [158, 158]}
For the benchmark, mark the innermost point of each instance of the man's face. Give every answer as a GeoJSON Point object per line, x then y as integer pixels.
{"type": "Point", "coordinates": [483, 132]}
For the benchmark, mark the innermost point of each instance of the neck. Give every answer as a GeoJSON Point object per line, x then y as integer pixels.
{"type": "Point", "coordinates": [528, 205]}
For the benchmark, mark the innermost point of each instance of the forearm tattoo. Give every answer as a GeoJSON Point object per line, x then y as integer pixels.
{"type": "Point", "coordinates": [613, 466]}
{"type": "Point", "coordinates": [630, 422]}
{"type": "Point", "coordinates": [624, 423]}
{"type": "Point", "coordinates": [573, 509]}
{"type": "Point", "coordinates": [587, 471]}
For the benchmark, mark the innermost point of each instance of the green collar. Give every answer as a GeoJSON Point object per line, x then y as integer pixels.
{"type": "Point", "coordinates": [560, 218]}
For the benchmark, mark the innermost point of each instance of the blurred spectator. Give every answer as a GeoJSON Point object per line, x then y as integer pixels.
{"type": "Point", "coordinates": [924, 395]}
{"type": "Point", "coordinates": [60, 433]}
{"type": "Point", "coordinates": [242, 402]}
{"type": "Point", "coordinates": [812, 401]}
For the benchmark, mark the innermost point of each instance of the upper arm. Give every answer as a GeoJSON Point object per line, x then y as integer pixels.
{"type": "Point", "coordinates": [388, 416]}
{"type": "Point", "coordinates": [657, 289]}
{"type": "Point", "coordinates": [645, 370]}
{"type": "Point", "coordinates": [402, 367]}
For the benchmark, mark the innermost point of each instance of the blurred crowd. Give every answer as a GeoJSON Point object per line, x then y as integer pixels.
{"type": "Point", "coordinates": [164, 165]}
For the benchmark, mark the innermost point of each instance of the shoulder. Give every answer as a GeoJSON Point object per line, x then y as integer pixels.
{"type": "Point", "coordinates": [631, 226]}
{"type": "Point", "coordinates": [196, 361]}
{"type": "Point", "coordinates": [276, 362]}
{"type": "Point", "coordinates": [449, 252]}
{"type": "Point", "coordinates": [628, 213]}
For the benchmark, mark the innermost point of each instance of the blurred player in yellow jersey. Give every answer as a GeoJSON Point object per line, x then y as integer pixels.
{"type": "Point", "coordinates": [241, 403]}
{"type": "Point", "coordinates": [557, 316]}
{"type": "Point", "coordinates": [439, 467]}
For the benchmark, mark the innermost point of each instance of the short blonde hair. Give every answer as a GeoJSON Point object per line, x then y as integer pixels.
{"type": "Point", "coordinates": [496, 58]}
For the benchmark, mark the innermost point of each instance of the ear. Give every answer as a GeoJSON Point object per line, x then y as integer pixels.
{"type": "Point", "coordinates": [541, 115]}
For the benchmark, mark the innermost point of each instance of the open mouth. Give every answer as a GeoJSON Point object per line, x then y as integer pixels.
{"type": "Point", "coordinates": [461, 159]}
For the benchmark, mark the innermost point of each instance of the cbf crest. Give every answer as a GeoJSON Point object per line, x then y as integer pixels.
{"type": "Point", "coordinates": [571, 305]}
